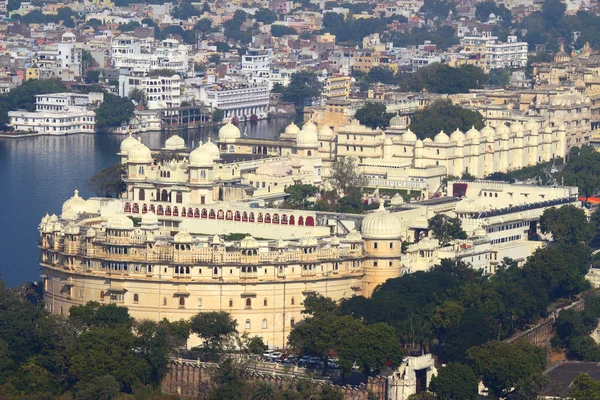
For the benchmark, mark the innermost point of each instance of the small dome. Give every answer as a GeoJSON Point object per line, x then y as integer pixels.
{"type": "Point", "coordinates": [53, 218]}
{"type": "Point", "coordinates": [502, 130]}
{"type": "Point", "coordinates": [480, 232]}
{"type": "Point", "coordinates": [249, 243]}
{"type": "Point", "coordinates": [409, 136]}
{"type": "Point", "coordinates": [127, 144]}
{"type": "Point", "coordinates": [326, 131]}
{"type": "Point", "coordinates": [310, 126]}
{"type": "Point", "coordinates": [457, 135]}
{"type": "Point", "coordinates": [419, 143]}
{"type": "Point", "coordinates": [91, 232]}
{"type": "Point", "coordinates": [396, 121]}
{"type": "Point", "coordinates": [139, 154]}
{"type": "Point", "coordinates": [229, 132]}
{"type": "Point", "coordinates": [175, 142]}
{"type": "Point", "coordinates": [73, 206]}
{"type": "Point", "coordinates": [71, 229]}
{"type": "Point", "coordinates": [381, 225]}
{"type": "Point", "coordinates": [308, 241]}
{"type": "Point", "coordinates": [292, 129]}
{"type": "Point", "coordinates": [183, 237]}
{"type": "Point", "coordinates": [487, 131]}
{"type": "Point", "coordinates": [354, 236]}
{"type": "Point", "coordinates": [530, 125]}
{"type": "Point", "coordinates": [212, 148]}
{"type": "Point", "coordinates": [45, 218]}
{"type": "Point", "coordinates": [441, 137]}
{"type": "Point", "coordinates": [335, 241]}
{"type": "Point", "coordinates": [149, 220]}
{"type": "Point", "coordinates": [427, 141]}
{"type": "Point", "coordinates": [516, 127]}
{"type": "Point", "coordinates": [388, 141]}
{"type": "Point", "coordinates": [201, 158]}
{"type": "Point", "coordinates": [119, 221]}
{"type": "Point", "coordinates": [471, 133]}
{"type": "Point", "coordinates": [307, 137]}
{"type": "Point", "coordinates": [397, 200]}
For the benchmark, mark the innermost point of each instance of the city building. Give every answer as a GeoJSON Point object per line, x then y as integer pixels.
{"type": "Point", "coordinates": [135, 56]}
{"type": "Point", "coordinates": [161, 91]}
{"type": "Point", "coordinates": [337, 87]}
{"type": "Point", "coordinates": [237, 100]}
{"type": "Point", "coordinates": [488, 53]}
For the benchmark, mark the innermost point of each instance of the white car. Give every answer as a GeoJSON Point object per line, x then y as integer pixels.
{"type": "Point", "coordinates": [276, 355]}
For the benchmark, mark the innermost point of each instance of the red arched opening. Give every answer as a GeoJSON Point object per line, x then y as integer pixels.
{"type": "Point", "coordinates": [284, 219]}
{"type": "Point", "coordinates": [196, 213]}
{"type": "Point", "coordinates": [229, 215]}
{"type": "Point", "coordinates": [204, 213]}
{"type": "Point", "coordinates": [310, 221]}
{"type": "Point", "coordinates": [183, 213]}
{"type": "Point", "coordinates": [211, 214]}
{"type": "Point", "coordinates": [144, 209]}
{"type": "Point", "coordinates": [175, 211]}
{"type": "Point", "coordinates": [244, 216]}
{"type": "Point", "coordinates": [164, 195]}
{"type": "Point", "coordinates": [292, 220]}
{"type": "Point", "coordinates": [152, 209]}
{"type": "Point", "coordinates": [251, 217]}
{"type": "Point", "coordinates": [168, 210]}
{"type": "Point", "coordinates": [275, 218]}
{"type": "Point", "coordinates": [260, 217]}
{"type": "Point", "coordinates": [127, 207]}
{"type": "Point", "coordinates": [300, 220]}
{"type": "Point", "coordinates": [159, 210]}
{"type": "Point", "coordinates": [190, 213]}
{"type": "Point", "coordinates": [136, 208]}
{"type": "Point", "coordinates": [267, 218]}
{"type": "Point", "coordinates": [237, 216]}
{"type": "Point", "coordinates": [220, 214]}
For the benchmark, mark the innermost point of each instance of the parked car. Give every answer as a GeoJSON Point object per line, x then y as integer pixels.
{"type": "Point", "coordinates": [267, 354]}
{"type": "Point", "coordinates": [276, 355]}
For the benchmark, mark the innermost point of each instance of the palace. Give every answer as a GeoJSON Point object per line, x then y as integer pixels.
{"type": "Point", "coordinates": [191, 233]}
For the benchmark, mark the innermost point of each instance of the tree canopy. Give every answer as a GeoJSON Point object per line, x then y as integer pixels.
{"type": "Point", "coordinates": [442, 115]}
{"type": "Point", "coordinates": [441, 78]}
{"type": "Point", "coordinates": [445, 228]}
{"type": "Point", "coordinates": [304, 87]}
{"type": "Point", "coordinates": [567, 224]}
{"type": "Point", "coordinates": [455, 381]}
{"type": "Point", "coordinates": [373, 115]}
{"type": "Point", "coordinates": [344, 175]}
{"type": "Point", "coordinates": [113, 112]}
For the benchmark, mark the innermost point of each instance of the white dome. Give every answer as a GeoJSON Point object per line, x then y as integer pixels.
{"type": "Point", "coordinates": [149, 220]}
{"type": "Point", "coordinates": [353, 236]}
{"type": "Point", "coordinates": [396, 121]}
{"type": "Point", "coordinates": [212, 149]}
{"type": "Point", "coordinates": [183, 237]}
{"type": "Point", "coordinates": [71, 229]}
{"type": "Point", "coordinates": [128, 143]}
{"type": "Point", "coordinates": [381, 225]}
{"type": "Point", "coordinates": [419, 143]}
{"type": "Point", "coordinates": [90, 232]}
{"type": "Point", "coordinates": [397, 200]}
{"type": "Point", "coordinates": [292, 129]}
{"type": "Point", "coordinates": [175, 142]}
{"type": "Point", "coordinates": [249, 243]}
{"type": "Point", "coordinates": [516, 127]}
{"type": "Point", "coordinates": [307, 137]}
{"type": "Point", "coordinates": [229, 132]}
{"type": "Point", "coordinates": [201, 158]}
{"type": "Point", "coordinates": [441, 137]}
{"type": "Point", "coordinates": [480, 232]}
{"type": "Point", "coordinates": [472, 133]}
{"type": "Point", "coordinates": [139, 154]}
{"type": "Point", "coordinates": [502, 130]}
{"type": "Point", "coordinates": [119, 221]}
{"type": "Point", "coordinates": [73, 206]}
{"type": "Point", "coordinates": [487, 131]}
{"type": "Point", "coordinates": [326, 131]}
{"type": "Point", "coordinates": [408, 136]}
{"type": "Point", "coordinates": [53, 218]}
{"type": "Point", "coordinates": [308, 241]}
{"type": "Point", "coordinates": [310, 126]}
{"type": "Point", "coordinates": [457, 135]}
{"type": "Point", "coordinates": [530, 125]}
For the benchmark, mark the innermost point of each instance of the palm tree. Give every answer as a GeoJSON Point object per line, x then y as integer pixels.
{"type": "Point", "coordinates": [264, 391]}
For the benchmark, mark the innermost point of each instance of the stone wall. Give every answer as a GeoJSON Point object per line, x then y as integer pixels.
{"type": "Point", "coordinates": [192, 379]}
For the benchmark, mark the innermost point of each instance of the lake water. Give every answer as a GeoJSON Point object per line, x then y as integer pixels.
{"type": "Point", "coordinates": [38, 174]}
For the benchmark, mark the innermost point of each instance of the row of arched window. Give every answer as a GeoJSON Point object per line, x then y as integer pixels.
{"type": "Point", "coordinates": [136, 299]}
{"type": "Point", "coordinates": [227, 215]}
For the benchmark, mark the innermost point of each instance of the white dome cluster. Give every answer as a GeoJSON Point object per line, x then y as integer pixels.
{"type": "Point", "coordinates": [308, 136]}
{"type": "Point", "coordinates": [139, 153]}
{"type": "Point", "coordinates": [127, 144]}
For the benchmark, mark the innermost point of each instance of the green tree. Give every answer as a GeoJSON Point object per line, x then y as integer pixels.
{"type": "Point", "coordinates": [502, 366]}
{"type": "Point", "coordinates": [185, 9]}
{"type": "Point", "coordinates": [445, 228]}
{"type": "Point", "coordinates": [13, 5]}
{"type": "Point", "coordinates": [153, 346]}
{"type": "Point", "coordinates": [595, 222]}
{"type": "Point", "coordinates": [214, 59]}
{"type": "Point", "coordinates": [104, 387]}
{"type": "Point", "coordinates": [92, 76]}
{"type": "Point", "coordinates": [229, 382]}
{"type": "Point", "coordinates": [567, 224]}
{"type": "Point", "coordinates": [442, 115]}
{"type": "Point", "coordinates": [351, 203]}
{"type": "Point", "coordinates": [94, 314]}
{"type": "Point", "coordinates": [113, 112]}
{"type": "Point", "coordinates": [299, 194]}
{"type": "Point", "coordinates": [373, 115]}
{"type": "Point", "coordinates": [584, 387]}
{"type": "Point", "coordinates": [265, 16]}
{"type": "Point", "coordinates": [455, 381]}
{"type": "Point", "coordinates": [256, 345]}
{"type": "Point", "coordinates": [438, 8]}
{"type": "Point", "coordinates": [345, 175]}
{"type": "Point", "coordinates": [319, 306]}
{"type": "Point", "coordinates": [582, 171]}
{"type": "Point", "coordinates": [303, 88]}
{"type": "Point", "coordinates": [108, 182]}
{"type": "Point", "coordinates": [552, 12]}
{"type": "Point", "coordinates": [139, 96]}
{"type": "Point", "coordinates": [282, 30]}
{"type": "Point", "coordinates": [441, 78]}
{"type": "Point", "coordinates": [218, 115]}
{"type": "Point", "coordinates": [485, 8]}
{"type": "Point", "coordinates": [214, 328]}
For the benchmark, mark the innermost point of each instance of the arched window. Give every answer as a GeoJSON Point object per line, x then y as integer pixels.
{"type": "Point", "coordinates": [293, 301]}
{"type": "Point", "coordinates": [237, 216]}
{"type": "Point", "coordinates": [144, 209]}
{"type": "Point", "coordinates": [244, 216]}
{"type": "Point", "coordinates": [267, 218]}
{"type": "Point", "coordinates": [183, 213]}
{"type": "Point", "coordinates": [264, 323]}
{"type": "Point", "coordinates": [300, 220]}
{"type": "Point", "coordinates": [247, 324]}
{"type": "Point", "coordinates": [220, 214]}
{"type": "Point", "coordinates": [127, 207]}
{"type": "Point", "coordinates": [260, 217]}
{"type": "Point", "coordinates": [196, 213]}
{"type": "Point", "coordinates": [265, 302]}
{"type": "Point", "coordinates": [159, 210]}
{"type": "Point", "coordinates": [152, 209]}
{"type": "Point", "coordinates": [182, 302]}
{"type": "Point", "coordinates": [229, 215]}
{"type": "Point", "coordinates": [292, 220]}
{"type": "Point", "coordinates": [168, 210]}
{"type": "Point", "coordinates": [284, 219]}
{"type": "Point", "coordinates": [248, 302]}
{"type": "Point", "coordinates": [310, 221]}
{"type": "Point", "coordinates": [136, 298]}
{"type": "Point", "coordinates": [164, 301]}
{"type": "Point", "coordinates": [142, 194]}
{"type": "Point", "coordinates": [309, 153]}
{"type": "Point", "coordinates": [136, 208]}
{"type": "Point", "coordinates": [275, 218]}
{"type": "Point", "coordinates": [230, 302]}
{"type": "Point", "coordinates": [179, 198]}
{"type": "Point", "coordinates": [251, 217]}
{"type": "Point", "coordinates": [211, 214]}
{"type": "Point", "coordinates": [199, 303]}
{"type": "Point", "coordinates": [164, 196]}
{"type": "Point", "coordinates": [292, 322]}
{"type": "Point", "coordinates": [175, 211]}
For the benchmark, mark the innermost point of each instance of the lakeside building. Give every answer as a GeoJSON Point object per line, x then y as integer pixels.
{"type": "Point", "coordinates": [487, 53]}
{"type": "Point", "coordinates": [143, 55]}
{"type": "Point", "coordinates": [177, 256]}
{"type": "Point", "coordinates": [59, 114]}
{"type": "Point", "coordinates": [161, 91]}
{"type": "Point", "coordinates": [241, 101]}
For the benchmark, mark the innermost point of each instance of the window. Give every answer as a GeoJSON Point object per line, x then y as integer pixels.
{"type": "Point", "coordinates": [247, 324]}
{"type": "Point", "coordinates": [265, 302]}
{"type": "Point", "coordinates": [164, 301]}
{"type": "Point", "coordinates": [293, 302]}
{"type": "Point", "coordinates": [199, 303]}
{"type": "Point", "coordinates": [391, 245]}
{"type": "Point", "coordinates": [248, 303]}
{"type": "Point", "coordinates": [292, 322]}
{"type": "Point", "coordinates": [264, 323]}
{"type": "Point", "coordinates": [181, 302]}
{"type": "Point", "coordinates": [374, 263]}
{"type": "Point", "coordinates": [230, 302]}
{"type": "Point", "coordinates": [375, 245]}
{"type": "Point", "coordinates": [136, 298]}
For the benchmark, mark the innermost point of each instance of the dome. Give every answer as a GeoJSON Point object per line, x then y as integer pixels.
{"type": "Point", "coordinates": [397, 200]}
{"type": "Point", "coordinates": [409, 136]}
{"type": "Point", "coordinates": [396, 121]}
{"type": "Point", "coordinates": [480, 232]}
{"type": "Point", "coordinates": [309, 126]}
{"type": "Point", "coordinates": [182, 237]}
{"type": "Point", "coordinates": [308, 241]}
{"type": "Point", "coordinates": [149, 220]}
{"type": "Point", "coordinates": [335, 241]}
{"type": "Point", "coordinates": [441, 137]}
{"type": "Point", "coordinates": [487, 131]}
{"type": "Point", "coordinates": [307, 137]}
{"type": "Point", "coordinates": [516, 127]}
{"type": "Point", "coordinates": [471, 133]}
{"type": "Point", "coordinates": [212, 148]}
{"type": "Point", "coordinates": [45, 218]}
{"type": "Point", "coordinates": [388, 141]}
{"type": "Point", "coordinates": [457, 135]}
{"type": "Point", "coordinates": [175, 142]}
{"type": "Point", "coordinates": [201, 158]}
{"type": "Point", "coordinates": [292, 129]}
{"type": "Point", "coordinates": [53, 218]}
{"type": "Point", "coordinates": [281, 244]}
{"type": "Point", "coordinates": [419, 143]}
{"type": "Point", "coordinates": [502, 130]}
{"type": "Point", "coordinates": [381, 225]}
{"type": "Point", "coordinates": [229, 132]}
{"type": "Point", "coordinates": [139, 153]}
{"type": "Point", "coordinates": [249, 243]}
{"type": "Point", "coordinates": [354, 236]}
{"type": "Point", "coordinates": [91, 232]}
{"type": "Point", "coordinates": [119, 221]}
{"type": "Point", "coordinates": [71, 229]}
{"type": "Point", "coordinates": [530, 125]}
{"type": "Point", "coordinates": [73, 206]}
{"type": "Point", "coordinates": [326, 131]}
{"type": "Point", "coordinates": [128, 143]}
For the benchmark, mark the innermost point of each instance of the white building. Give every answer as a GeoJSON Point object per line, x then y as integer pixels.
{"type": "Point", "coordinates": [241, 101]}
{"type": "Point", "coordinates": [510, 54]}
{"type": "Point", "coordinates": [60, 60]}
{"type": "Point", "coordinates": [161, 91]}
{"type": "Point", "coordinates": [142, 55]}
{"type": "Point", "coordinates": [256, 65]}
{"type": "Point", "coordinates": [59, 114]}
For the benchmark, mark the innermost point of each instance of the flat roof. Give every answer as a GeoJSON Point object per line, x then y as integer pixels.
{"type": "Point", "coordinates": [436, 201]}
{"type": "Point", "coordinates": [563, 375]}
